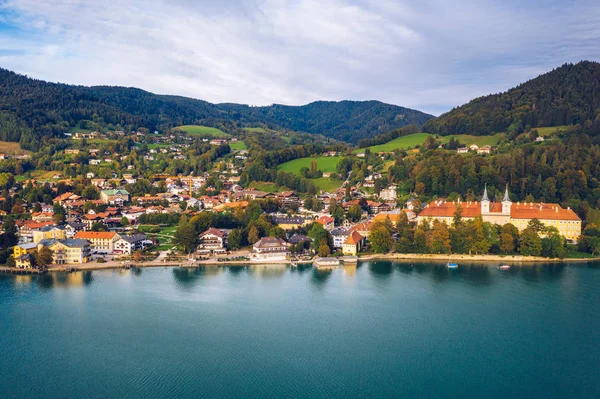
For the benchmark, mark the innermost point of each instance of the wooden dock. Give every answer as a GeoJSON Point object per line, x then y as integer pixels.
{"type": "Point", "coordinates": [14, 270]}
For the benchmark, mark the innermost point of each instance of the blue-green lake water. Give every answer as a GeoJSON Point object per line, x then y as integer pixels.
{"type": "Point", "coordinates": [381, 329]}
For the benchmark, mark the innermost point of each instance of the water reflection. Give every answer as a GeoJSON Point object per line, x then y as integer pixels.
{"type": "Point", "coordinates": [319, 277]}
{"type": "Point", "coordinates": [268, 271]}
{"type": "Point", "coordinates": [62, 280]}
{"type": "Point", "coordinates": [187, 277]}
{"type": "Point", "coordinates": [381, 269]}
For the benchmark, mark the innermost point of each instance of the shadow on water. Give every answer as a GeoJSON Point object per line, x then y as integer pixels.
{"type": "Point", "coordinates": [236, 270]}
{"type": "Point", "coordinates": [542, 273]}
{"type": "Point", "coordinates": [62, 280]}
{"type": "Point", "coordinates": [381, 270]}
{"type": "Point", "coordinates": [477, 274]}
{"type": "Point", "coordinates": [187, 277]}
{"type": "Point", "coordinates": [319, 278]}
{"type": "Point", "coordinates": [301, 268]}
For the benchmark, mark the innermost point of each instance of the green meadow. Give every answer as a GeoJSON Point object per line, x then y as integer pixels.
{"type": "Point", "coordinates": [326, 164]}
{"type": "Point", "coordinates": [198, 130]}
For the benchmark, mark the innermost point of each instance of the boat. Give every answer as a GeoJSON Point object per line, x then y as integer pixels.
{"type": "Point", "coordinates": [452, 265]}
{"type": "Point", "coordinates": [504, 267]}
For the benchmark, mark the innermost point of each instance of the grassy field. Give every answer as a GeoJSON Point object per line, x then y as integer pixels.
{"type": "Point", "coordinates": [326, 184]}
{"type": "Point", "coordinates": [412, 140]}
{"type": "Point", "coordinates": [154, 145]}
{"type": "Point", "coordinates": [478, 140]}
{"type": "Point", "coordinates": [165, 236]}
{"type": "Point", "coordinates": [198, 130]}
{"type": "Point", "coordinates": [37, 175]}
{"type": "Point", "coordinates": [238, 145]}
{"type": "Point", "coordinates": [255, 129]}
{"type": "Point", "coordinates": [547, 131]}
{"type": "Point", "coordinates": [326, 164]}
{"type": "Point", "coordinates": [8, 147]}
{"type": "Point", "coordinates": [267, 187]}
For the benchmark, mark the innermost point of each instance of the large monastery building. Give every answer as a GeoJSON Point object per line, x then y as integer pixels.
{"type": "Point", "coordinates": [565, 220]}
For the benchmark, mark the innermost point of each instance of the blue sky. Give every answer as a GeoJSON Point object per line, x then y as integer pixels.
{"type": "Point", "coordinates": [430, 55]}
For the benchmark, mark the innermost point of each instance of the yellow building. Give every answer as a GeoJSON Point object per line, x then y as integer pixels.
{"type": "Point", "coordinates": [520, 214]}
{"type": "Point", "coordinates": [23, 249]}
{"type": "Point", "coordinates": [101, 241]}
{"type": "Point", "coordinates": [48, 233]}
{"type": "Point", "coordinates": [66, 252]}
{"type": "Point", "coordinates": [353, 244]}
{"type": "Point", "coordinates": [23, 261]}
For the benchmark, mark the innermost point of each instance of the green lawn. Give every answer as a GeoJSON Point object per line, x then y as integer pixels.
{"type": "Point", "coordinates": [326, 184]}
{"type": "Point", "coordinates": [255, 129]}
{"type": "Point", "coordinates": [401, 143]}
{"type": "Point", "coordinates": [547, 131]}
{"type": "Point", "coordinates": [326, 164]}
{"type": "Point", "coordinates": [238, 145]}
{"type": "Point", "coordinates": [412, 140]}
{"type": "Point", "coordinates": [468, 140]}
{"type": "Point", "coordinates": [202, 130]}
{"type": "Point", "coordinates": [267, 187]}
{"type": "Point", "coordinates": [165, 235]}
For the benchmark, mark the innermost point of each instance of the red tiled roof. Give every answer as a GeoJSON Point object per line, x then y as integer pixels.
{"type": "Point", "coordinates": [102, 235]}
{"type": "Point", "coordinates": [354, 238]}
{"type": "Point", "coordinates": [526, 210]}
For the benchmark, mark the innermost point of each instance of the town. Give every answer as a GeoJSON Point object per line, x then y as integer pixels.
{"type": "Point", "coordinates": [121, 209]}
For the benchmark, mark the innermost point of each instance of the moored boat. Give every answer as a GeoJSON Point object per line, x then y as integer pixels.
{"type": "Point", "coordinates": [504, 267]}
{"type": "Point", "coordinates": [452, 265]}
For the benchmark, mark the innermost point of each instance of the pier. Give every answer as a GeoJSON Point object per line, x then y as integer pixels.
{"type": "Point", "coordinates": [14, 270]}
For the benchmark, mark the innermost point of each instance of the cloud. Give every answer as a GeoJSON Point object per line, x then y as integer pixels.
{"type": "Point", "coordinates": [429, 55]}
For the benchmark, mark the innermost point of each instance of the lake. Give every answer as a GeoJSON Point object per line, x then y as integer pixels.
{"type": "Point", "coordinates": [381, 329]}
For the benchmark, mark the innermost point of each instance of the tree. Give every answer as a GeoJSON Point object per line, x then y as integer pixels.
{"type": "Point", "coordinates": [320, 236]}
{"type": "Point", "coordinates": [43, 257]}
{"type": "Point", "coordinates": [355, 213]}
{"type": "Point", "coordinates": [124, 221]}
{"type": "Point", "coordinates": [234, 240]}
{"type": "Point", "coordinates": [440, 238]}
{"type": "Point", "coordinates": [381, 238]}
{"type": "Point", "coordinates": [324, 250]}
{"type": "Point", "coordinates": [91, 193]}
{"type": "Point", "coordinates": [480, 244]}
{"type": "Point", "coordinates": [253, 235]}
{"type": "Point", "coordinates": [531, 244]}
{"type": "Point", "coordinates": [186, 236]}
{"type": "Point", "coordinates": [553, 244]}
{"type": "Point", "coordinates": [137, 256]}
{"type": "Point", "coordinates": [509, 236]}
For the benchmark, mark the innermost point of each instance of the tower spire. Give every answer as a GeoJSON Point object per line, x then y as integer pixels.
{"type": "Point", "coordinates": [506, 196]}
{"type": "Point", "coordinates": [485, 195]}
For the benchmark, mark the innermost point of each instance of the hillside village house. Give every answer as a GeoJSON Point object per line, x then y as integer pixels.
{"type": "Point", "coordinates": [520, 214]}
{"type": "Point", "coordinates": [212, 239]}
{"type": "Point", "coordinates": [289, 223]}
{"type": "Point", "coordinates": [100, 241]}
{"type": "Point", "coordinates": [114, 197]}
{"type": "Point", "coordinates": [48, 233]}
{"type": "Point", "coordinates": [69, 251]}
{"type": "Point", "coordinates": [270, 248]}
{"type": "Point", "coordinates": [388, 194]}
{"type": "Point", "coordinates": [339, 237]}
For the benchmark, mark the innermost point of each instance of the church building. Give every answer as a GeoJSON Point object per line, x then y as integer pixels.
{"type": "Point", "coordinates": [565, 220]}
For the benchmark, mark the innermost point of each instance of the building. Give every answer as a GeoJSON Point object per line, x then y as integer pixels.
{"type": "Point", "coordinates": [114, 197]}
{"type": "Point", "coordinates": [270, 248]}
{"type": "Point", "coordinates": [339, 237]}
{"type": "Point", "coordinates": [520, 214]}
{"type": "Point", "coordinates": [327, 222]}
{"type": "Point", "coordinates": [48, 233]}
{"type": "Point", "coordinates": [130, 244]}
{"type": "Point", "coordinates": [289, 199]}
{"type": "Point", "coordinates": [353, 244]}
{"type": "Point", "coordinates": [288, 223]}
{"type": "Point", "coordinates": [486, 149]}
{"type": "Point", "coordinates": [388, 194]}
{"type": "Point", "coordinates": [101, 241]}
{"type": "Point", "coordinates": [65, 252]}
{"type": "Point", "coordinates": [24, 249]}
{"type": "Point", "coordinates": [24, 261]}
{"type": "Point", "coordinates": [462, 150]}
{"type": "Point", "coordinates": [212, 239]}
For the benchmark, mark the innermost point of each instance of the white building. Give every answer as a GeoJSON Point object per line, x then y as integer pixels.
{"type": "Point", "coordinates": [270, 248]}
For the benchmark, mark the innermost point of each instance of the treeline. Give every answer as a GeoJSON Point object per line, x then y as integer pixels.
{"type": "Point", "coordinates": [473, 236]}
{"type": "Point", "coordinates": [565, 96]}
{"type": "Point", "coordinates": [385, 137]}
{"type": "Point", "coordinates": [560, 172]}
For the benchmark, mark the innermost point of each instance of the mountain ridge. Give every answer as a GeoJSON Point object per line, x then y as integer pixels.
{"type": "Point", "coordinates": [33, 109]}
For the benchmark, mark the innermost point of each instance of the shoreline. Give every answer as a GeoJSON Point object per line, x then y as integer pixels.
{"type": "Point", "coordinates": [524, 260]}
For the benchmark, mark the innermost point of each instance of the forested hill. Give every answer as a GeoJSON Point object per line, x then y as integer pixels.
{"type": "Point", "coordinates": [344, 120]}
{"type": "Point", "coordinates": [567, 95]}
{"type": "Point", "coordinates": [32, 109]}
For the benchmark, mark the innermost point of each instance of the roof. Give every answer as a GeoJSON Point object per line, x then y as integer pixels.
{"type": "Point", "coordinates": [97, 235]}
{"type": "Point", "coordinates": [267, 242]}
{"type": "Point", "coordinates": [297, 238]}
{"type": "Point", "coordinates": [134, 238]}
{"type": "Point", "coordinates": [213, 231]}
{"type": "Point", "coordinates": [340, 232]}
{"type": "Point", "coordinates": [29, 245]}
{"type": "Point", "coordinates": [287, 194]}
{"type": "Point", "coordinates": [286, 220]}
{"type": "Point", "coordinates": [354, 238]}
{"type": "Point", "coordinates": [325, 219]}
{"type": "Point", "coordinates": [525, 210]}
{"type": "Point", "coordinates": [115, 192]}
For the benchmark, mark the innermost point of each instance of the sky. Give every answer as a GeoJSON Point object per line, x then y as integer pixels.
{"type": "Point", "coordinates": [430, 55]}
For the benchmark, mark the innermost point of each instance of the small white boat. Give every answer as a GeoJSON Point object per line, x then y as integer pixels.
{"type": "Point", "coordinates": [504, 267]}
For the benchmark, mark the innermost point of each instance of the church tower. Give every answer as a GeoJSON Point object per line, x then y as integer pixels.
{"type": "Point", "coordinates": [506, 203]}
{"type": "Point", "coordinates": [485, 202]}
